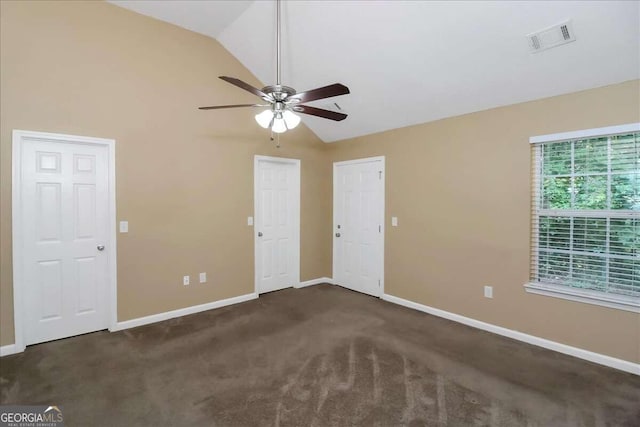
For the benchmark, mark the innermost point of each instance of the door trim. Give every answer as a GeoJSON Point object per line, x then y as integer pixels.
{"type": "Point", "coordinates": [19, 137]}
{"type": "Point", "coordinates": [383, 208]}
{"type": "Point", "coordinates": [296, 215]}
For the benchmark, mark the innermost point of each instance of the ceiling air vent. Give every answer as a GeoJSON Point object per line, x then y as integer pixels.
{"type": "Point", "coordinates": [551, 37]}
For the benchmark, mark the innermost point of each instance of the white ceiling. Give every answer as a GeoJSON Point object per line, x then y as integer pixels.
{"type": "Point", "coordinates": [410, 62]}
{"type": "Point", "coordinates": [201, 16]}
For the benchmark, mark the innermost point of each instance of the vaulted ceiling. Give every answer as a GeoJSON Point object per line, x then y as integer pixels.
{"type": "Point", "coordinates": [410, 62]}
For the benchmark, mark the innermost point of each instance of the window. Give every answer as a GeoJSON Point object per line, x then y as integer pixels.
{"type": "Point", "coordinates": [586, 216]}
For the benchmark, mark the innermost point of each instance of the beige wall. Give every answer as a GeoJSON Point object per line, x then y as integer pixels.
{"type": "Point", "coordinates": [184, 177]}
{"type": "Point", "coordinates": [460, 188]}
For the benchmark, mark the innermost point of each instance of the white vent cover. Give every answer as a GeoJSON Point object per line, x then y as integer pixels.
{"type": "Point", "coordinates": [551, 37]}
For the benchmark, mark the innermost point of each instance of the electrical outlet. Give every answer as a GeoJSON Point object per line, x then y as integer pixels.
{"type": "Point", "coordinates": [488, 291]}
{"type": "Point", "coordinates": [185, 280]}
{"type": "Point", "coordinates": [203, 277]}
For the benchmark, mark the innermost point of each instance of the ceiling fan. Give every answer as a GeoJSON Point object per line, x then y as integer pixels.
{"type": "Point", "coordinates": [284, 101]}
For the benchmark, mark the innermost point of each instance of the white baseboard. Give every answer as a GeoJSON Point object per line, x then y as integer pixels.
{"type": "Point", "coordinates": [601, 359]}
{"type": "Point", "coordinates": [6, 350]}
{"type": "Point", "coordinates": [140, 321]}
{"type": "Point", "coordinates": [314, 282]}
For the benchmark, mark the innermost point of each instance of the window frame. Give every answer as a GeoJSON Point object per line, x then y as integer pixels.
{"type": "Point", "coordinates": [621, 302]}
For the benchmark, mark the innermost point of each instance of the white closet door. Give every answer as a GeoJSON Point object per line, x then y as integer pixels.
{"type": "Point", "coordinates": [64, 234]}
{"type": "Point", "coordinates": [358, 225]}
{"type": "Point", "coordinates": [276, 224]}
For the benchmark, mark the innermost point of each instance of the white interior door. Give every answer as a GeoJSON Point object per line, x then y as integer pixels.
{"type": "Point", "coordinates": [277, 223]}
{"type": "Point", "coordinates": [64, 233]}
{"type": "Point", "coordinates": [358, 213]}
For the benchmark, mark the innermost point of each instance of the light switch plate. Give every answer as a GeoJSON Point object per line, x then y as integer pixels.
{"type": "Point", "coordinates": [394, 221]}
{"type": "Point", "coordinates": [185, 280]}
{"type": "Point", "coordinates": [488, 291]}
{"type": "Point", "coordinates": [124, 226]}
{"type": "Point", "coordinates": [203, 277]}
{"type": "Point", "coordinates": [249, 220]}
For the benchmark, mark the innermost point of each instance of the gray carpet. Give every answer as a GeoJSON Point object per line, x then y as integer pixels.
{"type": "Point", "coordinates": [319, 356]}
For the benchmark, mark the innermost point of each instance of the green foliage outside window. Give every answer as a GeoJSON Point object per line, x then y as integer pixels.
{"type": "Point", "coordinates": [593, 252]}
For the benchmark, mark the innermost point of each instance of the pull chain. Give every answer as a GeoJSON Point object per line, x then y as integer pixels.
{"type": "Point", "coordinates": [276, 138]}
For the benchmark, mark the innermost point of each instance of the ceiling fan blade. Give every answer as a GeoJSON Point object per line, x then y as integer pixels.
{"type": "Point", "coordinates": [325, 114]}
{"type": "Point", "coordinates": [335, 89]}
{"type": "Point", "coordinates": [243, 85]}
{"type": "Point", "coordinates": [218, 107]}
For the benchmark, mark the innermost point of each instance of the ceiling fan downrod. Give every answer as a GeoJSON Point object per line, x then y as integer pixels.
{"type": "Point", "coordinates": [278, 35]}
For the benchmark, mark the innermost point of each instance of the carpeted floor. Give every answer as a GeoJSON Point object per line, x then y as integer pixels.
{"type": "Point", "coordinates": [318, 356]}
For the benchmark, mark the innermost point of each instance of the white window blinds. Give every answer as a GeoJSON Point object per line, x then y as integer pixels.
{"type": "Point", "coordinates": [586, 213]}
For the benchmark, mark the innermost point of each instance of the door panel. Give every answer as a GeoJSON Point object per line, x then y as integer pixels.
{"type": "Point", "coordinates": [64, 199]}
{"type": "Point", "coordinates": [49, 211]}
{"type": "Point", "coordinates": [84, 201]}
{"type": "Point", "coordinates": [49, 293]}
{"type": "Point", "coordinates": [85, 274]}
{"type": "Point", "coordinates": [276, 224]}
{"type": "Point", "coordinates": [358, 225]}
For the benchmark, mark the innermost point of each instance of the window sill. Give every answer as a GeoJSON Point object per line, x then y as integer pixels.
{"type": "Point", "coordinates": [619, 302]}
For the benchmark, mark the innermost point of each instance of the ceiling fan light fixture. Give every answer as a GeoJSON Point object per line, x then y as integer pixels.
{"type": "Point", "coordinates": [291, 120]}
{"type": "Point", "coordinates": [264, 118]}
{"type": "Point", "coordinates": [279, 125]}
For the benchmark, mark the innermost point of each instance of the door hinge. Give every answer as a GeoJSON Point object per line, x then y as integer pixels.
{"type": "Point", "coordinates": [379, 229]}
{"type": "Point", "coordinates": [379, 174]}
{"type": "Point", "coordinates": [379, 283]}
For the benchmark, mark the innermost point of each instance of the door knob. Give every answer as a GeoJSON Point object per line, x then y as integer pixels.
{"type": "Point", "coordinates": [337, 234]}
{"type": "Point", "coordinates": [101, 248]}
{"type": "Point", "coordinates": [259, 233]}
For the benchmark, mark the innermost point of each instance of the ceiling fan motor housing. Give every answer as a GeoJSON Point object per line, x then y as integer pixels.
{"type": "Point", "coordinates": [279, 92]}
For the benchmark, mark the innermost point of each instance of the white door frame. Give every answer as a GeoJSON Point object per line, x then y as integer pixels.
{"type": "Point", "coordinates": [19, 137]}
{"type": "Point", "coordinates": [383, 207]}
{"type": "Point", "coordinates": [296, 215]}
